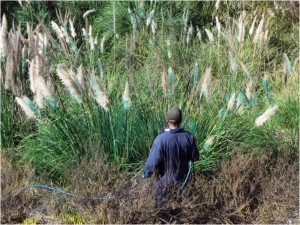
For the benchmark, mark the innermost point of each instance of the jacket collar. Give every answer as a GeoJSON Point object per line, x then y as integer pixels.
{"type": "Point", "coordinates": [171, 130]}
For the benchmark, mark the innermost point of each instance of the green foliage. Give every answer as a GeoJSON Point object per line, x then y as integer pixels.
{"type": "Point", "coordinates": [13, 125]}
{"type": "Point", "coordinates": [7, 120]}
{"type": "Point", "coordinates": [286, 122]}
{"type": "Point", "coordinates": [67, 131]}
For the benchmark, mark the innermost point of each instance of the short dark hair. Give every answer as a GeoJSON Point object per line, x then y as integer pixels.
{"type": "Point", "coordinates": [174, 115]}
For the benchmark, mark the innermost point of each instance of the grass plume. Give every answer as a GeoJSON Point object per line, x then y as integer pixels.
{"type": "Point", "coordinates": [99, 95]}
{"type": "Point", "coordinates": [231, 102]}
{"type": "Point", "coordinates": [23, 102]}
{"type": "Point", "coordinates": [66, 78]}
{"type": "Point", "coordinates": [258, 32]}
{"type": "Point", "coordinates": [209, 35]}
{"type": "Point", "coordinates": [126, 97]}
{"type": "Point", "coordinates": [88, 13]}
{"type": "Point", "coordinates": [205, 83]}
{"type": "Point", "coordinates": [262, 119]}
{"type": "Point", "coordinates": [3, 37]}
{"type": "Point", "coordinates": [73, 32]}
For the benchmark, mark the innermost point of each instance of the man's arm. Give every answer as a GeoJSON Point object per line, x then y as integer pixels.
{"type": "Point", "coordinates": [153, 160]}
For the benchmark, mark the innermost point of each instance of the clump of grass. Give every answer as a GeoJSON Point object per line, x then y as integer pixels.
{"type": "Point", "coordinates": [124, 135]}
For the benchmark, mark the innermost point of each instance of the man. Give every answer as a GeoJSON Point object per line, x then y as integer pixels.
{"type": "Point", "coordinates": [170, 155]}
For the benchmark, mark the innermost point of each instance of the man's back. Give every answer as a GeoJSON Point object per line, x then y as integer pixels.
{"type": "Point", "coordinates": [170, 154]}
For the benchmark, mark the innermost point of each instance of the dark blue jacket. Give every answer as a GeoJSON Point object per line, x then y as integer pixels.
{"type": "Point", "coordinates": [170, 155]}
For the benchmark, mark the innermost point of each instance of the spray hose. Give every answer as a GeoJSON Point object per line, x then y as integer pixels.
{"type": "Point", "coordinates": [61, 192]}
{"type": "Point", "coordinates": [187, 176]}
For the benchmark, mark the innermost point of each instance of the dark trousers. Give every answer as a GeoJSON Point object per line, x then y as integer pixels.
{"type": "Point", "coordinates": [166, 192]}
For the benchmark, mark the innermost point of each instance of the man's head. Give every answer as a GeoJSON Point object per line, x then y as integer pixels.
{"type": "Point", "coordinates": [174, 117]}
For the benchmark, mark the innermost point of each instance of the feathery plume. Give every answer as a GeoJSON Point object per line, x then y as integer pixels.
{"type": "Point", "coordinates": [27, 110]}
{"type": "Point", "coordinates": [288, 64]}
{"type": "Point", "coordinates": [233, 65]}
{"type": "Point", "coordinates": [168, 42]}
{"type": "Point", "coordinates": [209, 142]}
{"type": "Point", "coordinates": [169, 54]}
{"type": "Point", "coordinates": [90, 31]}
{"type": "Point", "coordinates": [66, 78]}
{"type": "Point", "coordinates": [79, 76]}
{"type": "Point", "coordinates": [92, 43]}
{"type": "Point", "coordinates": [195, 74]}
{"type": "Point", "coordinates": [241, 34]}
{"type": "Point", "coordinates": [31, 75]}
{"type": "Point", "coordinates": [218, 25]}
{"type": "Point", "coordinates": [88, 12]}
{"type": "Point", "coordinates": [266, 116]}
{"type": "Point", "coordinates": [3, 35]}
{"type": "Point", "coordinates": [189, 33]}
{"type": "Point", "coordinates": [206, 82]}
{"type": "Point", "coordinates": [39, 40]}
{"type": "Point", "coordinates": [218, 2]}
{"type": "Point", "coordinates": [150, 18]}
{"type": "Point", "coordinates": [126, 97]}
{"type": "Point", "coordinates": [203, 84]}
{"type": "Point", "coordinates": [185, 17]}
{"type": "Point", "coordinates": [38, 98]}
{"type": "Point", "coordinates": [65, 34]}
{"type": "Point", "coordinates": [153, 26]}
{"type": "Point", "coordinates": [250, 90]}
{"type": "Point", "coordinates": [266, 36]}
{"type": "Point", "coordinates": [165, 81]}
{"type": "Point", "coordinates": [231, 102]}
{"type": "Point", "coordinates": [45, 44]}
{"type": "Point", "coordinates": [99, 95]}
{"type": "Point", "coordinates": [34, 72]}
{"type": "Point", "coordinates": [73, 32]}
{"type": "Point", "coordinates": [256, 38]}
{"type": "Point", "coordinates": [210, 35]}
{"type": "Point", "coordinates": [102, 44]}
{"type": "Point", "coordinates": [171, 81]}
{"type": "Point", "coordinates": [23, 67]}
{"type": "Point", "coordinates": [42, 88]}
{"type": "Point", "coordinates": [9, 72]}
{"type": "Point", "coordinates": [252, 26]}
{"type": "Point", "coordinates": [199, 34]}
{"type": "Point", "coordinates": [84, 33]}
{"type": "Point", "coordinates": [57, 30]}
{"type": "Point", "coordinates": [132, 18]}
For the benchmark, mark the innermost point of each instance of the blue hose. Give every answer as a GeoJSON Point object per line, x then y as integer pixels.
{"type": "Point", "coordinates": [66, 193]}
{"type": "Point", "coordinates": [187, 176]}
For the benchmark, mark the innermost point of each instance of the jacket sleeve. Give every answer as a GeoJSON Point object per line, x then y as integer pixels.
{"type": "Point", "coordinates": [195, 152]}
{"type": "Point", "coordinates": [154, 159]}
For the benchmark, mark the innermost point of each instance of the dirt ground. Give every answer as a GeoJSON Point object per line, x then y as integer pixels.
{"type": "Point", "coordinates": [246, 189]}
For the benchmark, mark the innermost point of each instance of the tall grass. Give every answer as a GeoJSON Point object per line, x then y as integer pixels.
{"type": "Point", "coordinates": [213, 70]}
